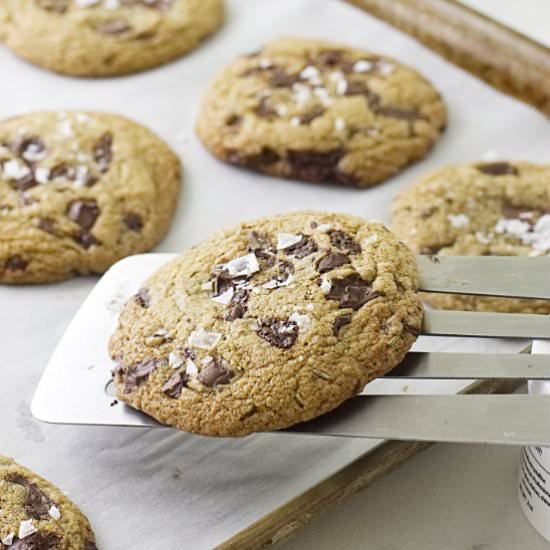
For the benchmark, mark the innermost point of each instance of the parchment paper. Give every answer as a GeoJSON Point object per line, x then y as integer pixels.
{"type": "Point", "coordinates": [156, 488]}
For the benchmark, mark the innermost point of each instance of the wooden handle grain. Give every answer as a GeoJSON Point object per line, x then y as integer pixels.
{"type": "Point", "coordinates": [505, 59]}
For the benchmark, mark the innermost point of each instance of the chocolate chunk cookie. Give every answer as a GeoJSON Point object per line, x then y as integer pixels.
{"type": "Point", "coordinates": [481, 209]}
{"type": "Point", "coordinates": [105, 37]}
{"type": "Point", "coordinates": [35, 515]}
{"type": "Point", "coordinates": [79, 191]}
{"type": "Point", "coordinates": [320, 112]}
{"type": "Point", "coordinates": [267, 324]}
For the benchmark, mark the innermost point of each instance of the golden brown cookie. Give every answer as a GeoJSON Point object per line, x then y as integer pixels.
{"type": "Point", "coordinates": [79, 191]}
{"type": "Point", "coordinates": [35, 515]}
{"type": "Point", "coordinates": [106, 37]}
{"type": "Point", "coordinates": [268, 323]}
{"type": "Point", "coordinates": [481, 209]}
{"type": "Point", "coordinates": [320, 112]}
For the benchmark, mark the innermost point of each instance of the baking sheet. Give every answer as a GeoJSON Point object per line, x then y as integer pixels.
{"type": "Point", "coordinates": [158, 488]}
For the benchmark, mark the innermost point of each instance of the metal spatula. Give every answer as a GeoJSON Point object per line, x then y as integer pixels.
{"type": "Point", "coordinates": [74, 388]}
{"type": "Point", "coordinates": [511, 419]}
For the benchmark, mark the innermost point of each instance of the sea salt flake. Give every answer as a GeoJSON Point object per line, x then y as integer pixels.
{"type": "Point", "coordinates": [111, 4]}
{"type": "Point", "coordinates": [274, 283]}
{"type": "Point", "coordinates": [174, 360]}
{"type": "Point", "coordinates": [264, 63]}
{"type": "Point", "coordinates": [303, 321]}
{"type": "Point", "coordinates": [86, 3]}
{"type": "Point", "coordinates": [370, 239]}
{"type": "Point", "coordinates": [514, 227]}
{"type": "Point", "coordinates": [34, 153]}
{"type": "Point", "coordinates": [362, 66]}
{"type": "Point", "coordinates": [8, 539]}
{"type": "Point", "coordinates": [385, 68]}
{"type": "Point", "coordinates": [458, 220]}
{"type": "Point", "coordinates": [339, 124]}
{"type": "Point", "coordinates": [82, 117]}
{"type": "Point", "coordinates": [209, 285]}
{"type": "Point", "coordinates": [326, 285]}
{"type": "Point", "coordinates": [282, 110]}
{"type": "Point", "coordinates": [190, 368]}
{"type": "Point", "coordinates": [341, 87]}
{"type": "Point", "coordinates": [482, 238]}
{"type": "Point", "coordinates": [243, 266]}
{"type": "Point", "coordinates": [65, 128]}
{"type": "Point", "coordinates": [301, 93]}
{"type": "Point", "coordinates": [14, 169]}
{"type": "Point", "coordinates": [207, 359]}
{"type": "Point", "coordinates": [310, 307]}
{"type": "Point", "coordinates": [26, 528]}
{"type": "Point", "coordinates": [225, 297]}
{"type": "Point", "coordinates": [324, 227]}
{"type": "Point", "coordinates": [295, 121]}
{"type": "Point", "coordinates": [309, 72]}
{"type": "Point", "coordinates": [204, 339]}
{"type": "Point", "coordinates": [525, 215]}
{"type": "Point", "coordinates": [54, 512]}
{"type": "Point", "coordinates": [286, 240]}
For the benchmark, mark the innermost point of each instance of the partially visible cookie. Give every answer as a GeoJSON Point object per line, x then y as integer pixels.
{"type": "Point", "coordinates": [79, 191]}
{"type": "Point", "coordinates": [35, 515]}
{"type": "Point", "coordinates": [106, 37]}
{"type": "Point", "coordinates": [321, 112]}
{"type": "Point", "coordinates": [482, 209]}
{"type": "Point", "coordinates": [267, 324]}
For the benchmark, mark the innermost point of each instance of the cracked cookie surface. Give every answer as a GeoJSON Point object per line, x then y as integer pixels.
{"type": "Point", "coordinates": [321, 112]}
{"type": "Point", "coordinates": [105, 37]}
{"type": "Point", "coordinates": [35, 515]}
{"type": "Point", "coordinates": [267, 324]}
{"type": "Point", "coordinates": [79, 191]}
{"type": "Point", "coordinates": [482, 209]}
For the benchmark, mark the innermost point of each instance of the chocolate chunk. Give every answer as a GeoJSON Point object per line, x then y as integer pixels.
{"type": "Point", "coordinates": [356, 87]}
{"type": "Point", "coordinates": [265, 157]}
{"type": "Point", "coordinates": [85, 239]}
{"type": "Point", "coordinates": [162, 5]}
{"type": "Point", "coordinates": [133, 221]}
{"type": "Point", "coordinates": [340, 322]}
{"type": "Point", "coordinates": [332, 261]}
{"type": "Point", "coordinates": [37, 541]}
{"type": "Point", "coordinates": [265, 109]}
{"type": "Point", "coordinates": [47, 225]}
{"type": "Point", "coordinates": [314, 166]}
{"type": "Point", "coordinates": [143, 298]}
{"type": "Point", "coordinates": [356, 297]}
{"type": "Point", "coordinates": [259, 243]}
{"type": "Point", "coordinates": [280, 333]}
{"type": "Point", "coordinates": [497, 169]}
{"type": "Point", "coordinates": [222, 282]}
{"type": "Point", "coordinates": [28, 147]}
{"type": "Point", "coordinates": [262, 247]}
{"type": "Point", "coordinates": [335, 59]}
{"type": "Point", "coordinates": [233, 120]}
{"type": "Point", "coordinates": [302, 248]}
{"type": "Point", "coordinates": [89, 545]}
{"type": "Point", "coordinates": [409, 328]}
{"type": "Point", "coordinates": [24, 183]}
{"type": "Point", "coordinates": [215, 374]}
{"type": "Point", "coordinates": [175, 384]}
{"type": "Point", "coordinates": [112, 26]}
{"type": "Point", "coordinates": [16, 263]}
{"type": "Point", "coordinates": [315, 112]}
{"type": "Point", "coordinates": [351, 291]}
{"type": "Point", "coordinates": [398, 112]}
{"type": "Point", "coordinates": [286, 269]}
{"type": "Point", "coordinates": [57, 6]}
{"type": "Point", "coordinates": [83, 212]}
{"type": "Point", "coordinates": [238, 305]}
{"type": "Point", "coordinates": [344, 241]}
{"type": "Point", "coordinates": [63, 170]}
{"type": "Point", "coordinates": [281, 79]}
{"type": "Point", "coordinates": [103, 151]}
{"type": "Point", "coordinates": [36, 502]}
{"type": "Point", "coordinates": [134, 375]}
